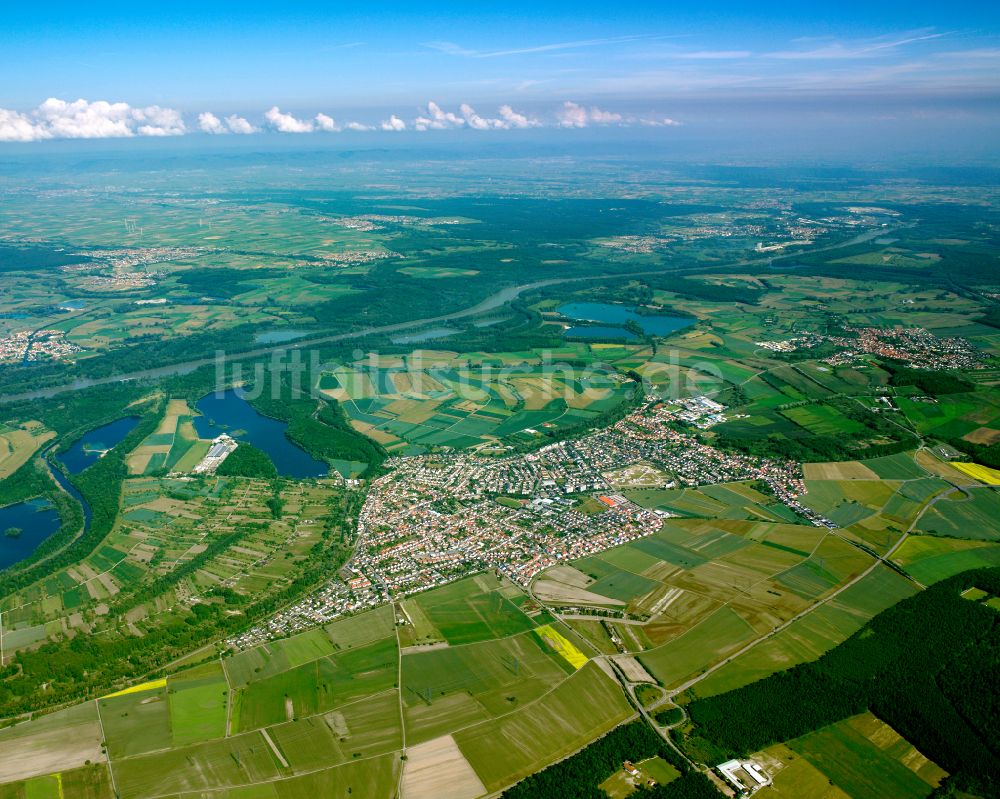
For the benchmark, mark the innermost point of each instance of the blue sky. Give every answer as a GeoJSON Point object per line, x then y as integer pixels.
{"type": "Point", "coordinates": [649, 65]}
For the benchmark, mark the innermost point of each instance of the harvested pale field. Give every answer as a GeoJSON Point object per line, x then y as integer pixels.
{"type": "Point", "coordinates": [438, 770]}
{"type": "Point", "coordinates": [633, 669]}
{"type": "Point", "coordinates": [373, 432]}
{"type": "Point", "coordinates": [59, 742]}
{"type": "Point", "coordinates": [172, 507]}
{"type": "Point", "coordinates": [568, 575]}
{"type": "Point", "coordinates": [942, 469]}
{"type": "Point", "coordinates": [139, 460]}
{"type": "Point", "coordinates": [17, 446]}
{"type": "Point", "coordinates": [109, 584]}
{"type": "Point", "coordinates": [983, 435]}
{"type": "Point", "coordinates": [338, 394]}
{"type": "Point", "coordinates": [567, 594]}
{"type": "Point", "coordinates": [848, 470]}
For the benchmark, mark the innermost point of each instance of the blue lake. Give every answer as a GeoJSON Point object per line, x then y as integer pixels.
{"type": "Point", "coordinates": [36, 519]}
{"type": "Point", "coordinates": [231, 413]}
{"type": "Point", "coordinates": [600, 332]}
{"type": "Point", "coordinates": [659, 325]}
{"type": "Point", "coordinates": [426, 335]}
{"type": "Point", "coordinates": [94, 443]}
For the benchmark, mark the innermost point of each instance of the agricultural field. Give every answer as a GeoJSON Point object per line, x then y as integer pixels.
{"type": "Point", "coordinates": [431, 399]}
{"type": "Point", "coordinates": [808, 638]}
{"type": "Point", "coordinates": [184, 537]}
{"type": "Point", "coordinates": [173, 447]}
{"type": "Point", "coordinates": [930, 558]}
{"type": "Point", "coordinates": [685, 598]}
{"type": "Point", "coordinates": [329, 709]}
{"type": "Point", "coordinates": [19, 442]}
{"type": "Point", "coordinates": [972, 514]}
{"type": "Point", "coordinates": [858, 757]}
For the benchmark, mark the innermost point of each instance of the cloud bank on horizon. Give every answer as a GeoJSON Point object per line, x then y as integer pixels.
{"type": "Point", "coordinates": [541, 64]}
{"type": "Point", "coordinates": [83, 119]}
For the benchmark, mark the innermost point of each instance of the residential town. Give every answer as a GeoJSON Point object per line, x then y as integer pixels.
{"type": "Point", "coordinates": [39, 345]}
{"type": "Point", "coordinates": [916, 347]}
{"type": "Point", "coordinates": [124, 269]}
{"type": "Point", "coordinates": [435, 518]}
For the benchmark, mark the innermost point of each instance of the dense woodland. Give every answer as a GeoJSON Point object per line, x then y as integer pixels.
{"type": "Point", "coordinates": [578, 776]}
{"type": "Point", "coordinates": [247, 461]}
{"type": "Point", "coordinates": [926, 666]}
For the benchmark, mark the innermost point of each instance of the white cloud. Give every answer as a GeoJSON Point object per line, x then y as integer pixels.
{"type": "Point", "coordinates": [85, 120]}
{"type": "Point", "coordinates": [82, 119]}
{"type": "Point", "coordinates": [572, 115]}
{"type": "Point", "coordinates": [444, 117]}
{"type": "Point", "coordinates": [477, 122]}
{"type": "Point", "coordinates": [238, 124]}
{"type": "Point", "coordinates": [434, 118]}
{"type": "Point", "coordinates": [19, 127]}
{"type": "Point", "coordinates": [604, 117]}
{"type": "Point", "coordinates": [393, 123]}
{"type": "Point", "coordinates": [210, 123]}
{"type": "Point", "coordinates": [159, 121]}
{"type": "Point", "coordinates": [516, 120]}
{"type": "Point", "coordinates": [325, 123]}
{"type": "Point", "coordinates": [286, 123]}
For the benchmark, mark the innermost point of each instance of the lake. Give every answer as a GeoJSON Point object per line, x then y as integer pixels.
{"type": "Point", "coordinates": [231, 413]}
{"type": "Point", "coordinates": [36, 519]}
{"type": "Point", "coordinates": [278, 336]}
{"type": "Point", "coordinates": [658, 325]}
{"type": "Point", "coordinates": [426, 335]}
{"type": "Point", "coordinates": [94, 443]}
{"type": "Point", "coordinates": [599, 332]}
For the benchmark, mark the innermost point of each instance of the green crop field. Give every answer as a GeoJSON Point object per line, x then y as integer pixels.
{"type": "Point", "coordinates": [579, 709]}
{"type": "Point", "coordinates": [718, 635]}
{"type": "Point", "coordinates": [860, 766]}
{"type": "Point", "coordinates": [964, 517]}
{"type": "Point", "coordinates": [809, 637]}
{"type": "Point", "coordinates": [199, 702]}
{"type": "Point", "coordinates": [464, 612]}
{"type": "Point", "coordinates": [933, 558]}
{"type": "Point", "coordinates": [317, 686]}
